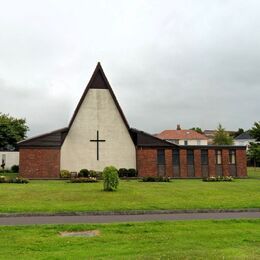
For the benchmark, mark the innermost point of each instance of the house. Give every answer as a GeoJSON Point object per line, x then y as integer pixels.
{"type": "Point", "coordinates": [183, 137]}
{"type": "Point", "coordinates": [8, 159]}
{"type": "Point", "coordinates": [98, 135]}
{"type": "Point", "coordinates": [244, 139]}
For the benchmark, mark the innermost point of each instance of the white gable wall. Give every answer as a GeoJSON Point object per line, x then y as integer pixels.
{"type": "Point", "coordinates": [98, 112]}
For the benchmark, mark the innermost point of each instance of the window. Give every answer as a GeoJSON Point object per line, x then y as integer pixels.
{"type": "Point", "coordinates": [198, 142]}
{"type": "Point", "coordinates": [232, 156]}
{"type": "Point", "coordinates": [204, 157]}
{"type": "Point", "coordinates": [185, 142]}
{"type": "Point", "coordinates": [218, 157]}
{"type": "Point", "coordinates": [175, 157]}
{"type": "Point", "coordinates": [160, 157]}
{"type": "Point", "coordinates": [190, 157]}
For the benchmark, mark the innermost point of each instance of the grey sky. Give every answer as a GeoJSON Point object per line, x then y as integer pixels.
{"type": "Point", "coordinates": [196, 62]}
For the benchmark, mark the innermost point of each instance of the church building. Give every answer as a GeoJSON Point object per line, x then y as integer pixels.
{"type": "Point", "coordinates": [98, 135]}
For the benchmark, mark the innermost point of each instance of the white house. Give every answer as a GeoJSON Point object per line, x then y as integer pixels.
{"type": "Point", "coordinates": [244, 139]}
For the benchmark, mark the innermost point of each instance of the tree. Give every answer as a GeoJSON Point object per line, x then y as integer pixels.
{"type": "Point", "coordinates": [111, 179]}
{"type": "Point", "coordinates": [197, 129]}
{"type": "Point", "coordinates": [12, 130]}
{"type": "Point", "coordinates": [221, 137]}
{"type": "Point", "coordinates": [254, 152]}
{"type": "Point", "coordinates": [239, 132]}
{"type": "Point", "coordinates": [254, 147]}
{"type": "Point", "coordinates": [255, 131]}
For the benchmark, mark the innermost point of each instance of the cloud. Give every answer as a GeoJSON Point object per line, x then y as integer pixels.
{"type": "Point", "coordinates": [188, 62]}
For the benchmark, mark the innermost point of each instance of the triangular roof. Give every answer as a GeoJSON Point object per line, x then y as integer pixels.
{"type": "Point", "coordinates": [98, 80]}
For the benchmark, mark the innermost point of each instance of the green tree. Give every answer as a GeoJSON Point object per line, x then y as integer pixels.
{"type": "Point", "coordinates": [111, 179]}
{"type": "Point", "coordinates": [221, 137]}
{"type": "Point", "coordinates": [12, 130]}
{"type": "Point", "coordinates": [254, 147]}
{"type": "Point", "coordinates": [239, 132]}
{"type": "Point", "coordinates": [255, 131]}
{"type": "Point", "coordinates": [197, 129]}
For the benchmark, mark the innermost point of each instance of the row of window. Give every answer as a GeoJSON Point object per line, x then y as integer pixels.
{"type": "Point", "coordinates": [190, 157]}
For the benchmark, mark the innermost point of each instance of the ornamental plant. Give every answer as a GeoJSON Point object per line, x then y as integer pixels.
{"type": "Point", "coordinates": [111, 179]}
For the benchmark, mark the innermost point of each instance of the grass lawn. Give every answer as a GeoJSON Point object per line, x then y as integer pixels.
{"type": "Point", "coordinates": [60, 196]}
{"type": "Point", "coordinates": [253, 172]}
{"type": "Point", "coordinates": [207, 239]}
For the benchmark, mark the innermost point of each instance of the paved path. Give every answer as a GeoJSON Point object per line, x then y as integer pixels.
{"type": "Point", "coordinates": [123, 218]}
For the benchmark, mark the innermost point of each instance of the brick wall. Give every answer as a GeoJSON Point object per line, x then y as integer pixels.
{"type": "Point", "coordinates": [168, 162]}
{"type": "Point", "coordinates": [212, 162]}
{"type": "Point", "coordinates": [241, 162]}
{"type": "Point", "coordinates": [225, 162]}
{"type": "Point", "coordinates": [183, 163]}
{"type": "Point", "coordinates": [197, 163]}
{"type": "Point", "coordinates": [147, 162]}
{"type": "Point", "coordinates": [39, 163]}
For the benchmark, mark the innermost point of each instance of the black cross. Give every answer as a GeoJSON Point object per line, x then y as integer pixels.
{"type": "Point", "coordinates": [97, 141]}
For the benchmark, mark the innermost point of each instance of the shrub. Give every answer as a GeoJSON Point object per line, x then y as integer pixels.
{"type": "Point", "coordinates": [65, 174]}
{"type": "Point", "coordinates": [218, 178]}
{"type": "Point", "coordinates": [122, 172]}
{"type": "Point", "coordinates": [132, 172]}
{"type": "Point", "coordinates": [83, 173]}
{"type": "Point", "coordinates": [93, 173]}
{"type": "Point", "coordinates": [15, 168]}
{"type": "Point", "coordinates": [111, 179]}
{"type": "Point", "coordinates": [84, 180]}
{"type": "Point", "coordinates": [156, 179]}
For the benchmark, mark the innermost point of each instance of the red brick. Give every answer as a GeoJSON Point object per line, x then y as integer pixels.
{"type": "Point", "coordinates": [147, 162]}
{"type": "Point", "coordinates": [212, 162]}
{"type": "Point", "coordinates": [225, 162]}
{"type": "Point", "coordinates": [39, 163]}
{"type": "Point", "coordinates": [168, 162]}
{"type": "Point", "coordinates": [183, 163]}
{"type": "Point", "coordinates": [241, 162]}
{"type": "Point", "coordinates": [197, 163]}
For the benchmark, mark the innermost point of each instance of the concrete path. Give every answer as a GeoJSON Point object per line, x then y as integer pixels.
{"type": "Point", "coordinates": [21, 220]}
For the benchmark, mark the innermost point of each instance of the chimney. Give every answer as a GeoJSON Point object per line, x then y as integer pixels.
{"type": "Point", "coordinates": [178, 127]}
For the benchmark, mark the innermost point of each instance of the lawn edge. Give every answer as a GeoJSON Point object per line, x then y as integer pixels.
{"type": "Point", "coordinates": [125, 212]}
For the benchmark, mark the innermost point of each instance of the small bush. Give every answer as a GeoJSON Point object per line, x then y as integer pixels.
{"type": "Point", "coordinates": [111, 179]}
{"type": "Point", "coordinates": [218, 178]}
{"type": "Point", "coordinates": [122, 172]}
{"type": "Point", "coordinates": [84, 180]}
{"type": "Point", "coordinates": [132, 172]}
{"type": "Point", "coordinates": [65, 174]}
{"type": "Point", "coordinates": [83, 173]}
{"type": "Point", "coordinates": [156, 179]}
{"type": "Point", "coordinates": [15, 168]}
{"type": "Point", "coordinates": [94, 174]}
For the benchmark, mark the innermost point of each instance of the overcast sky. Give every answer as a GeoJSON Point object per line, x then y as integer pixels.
{"type": "Point", "coordinates": [196, 63]}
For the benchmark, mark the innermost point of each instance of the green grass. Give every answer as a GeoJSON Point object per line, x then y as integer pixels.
{"type": "Point", "coordinates": [253, 172]}
{"type": "Point", "coordinates": [9, 174]}
{"type": "Point", "coordinates": [61, 196]}
{"type": "Point", "coordinates": [207, 239]}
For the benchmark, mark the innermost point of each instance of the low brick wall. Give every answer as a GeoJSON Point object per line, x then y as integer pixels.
{"type": "Point", "coordinates": [39, 163]}
{"type": "Point", "coordinates": [147, 162]}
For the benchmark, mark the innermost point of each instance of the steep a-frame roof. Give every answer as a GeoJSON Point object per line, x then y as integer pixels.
{"type": "Point", "coordinates": [99, 81]}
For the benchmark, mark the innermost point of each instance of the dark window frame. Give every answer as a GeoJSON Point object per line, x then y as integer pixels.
{"type": "Point", "coordinates": [190, 157]}
{"type": "Point", "coordinates": [204, 157]}
{"type": "Point", "coordinates": [176, 157]}
{"type": "Point", "coordinates": [160, 157]}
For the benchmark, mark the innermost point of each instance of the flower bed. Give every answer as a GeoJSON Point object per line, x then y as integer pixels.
{"type": "Point", "coordinates": [218, 178]}
{"type": "Point", "coordinates": [4, 179]}
{"type": "Point", "coordinates": [84, 180]}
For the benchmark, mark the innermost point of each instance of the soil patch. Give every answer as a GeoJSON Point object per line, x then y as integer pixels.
{"type": "Point", "coordinates": [86, 233]}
